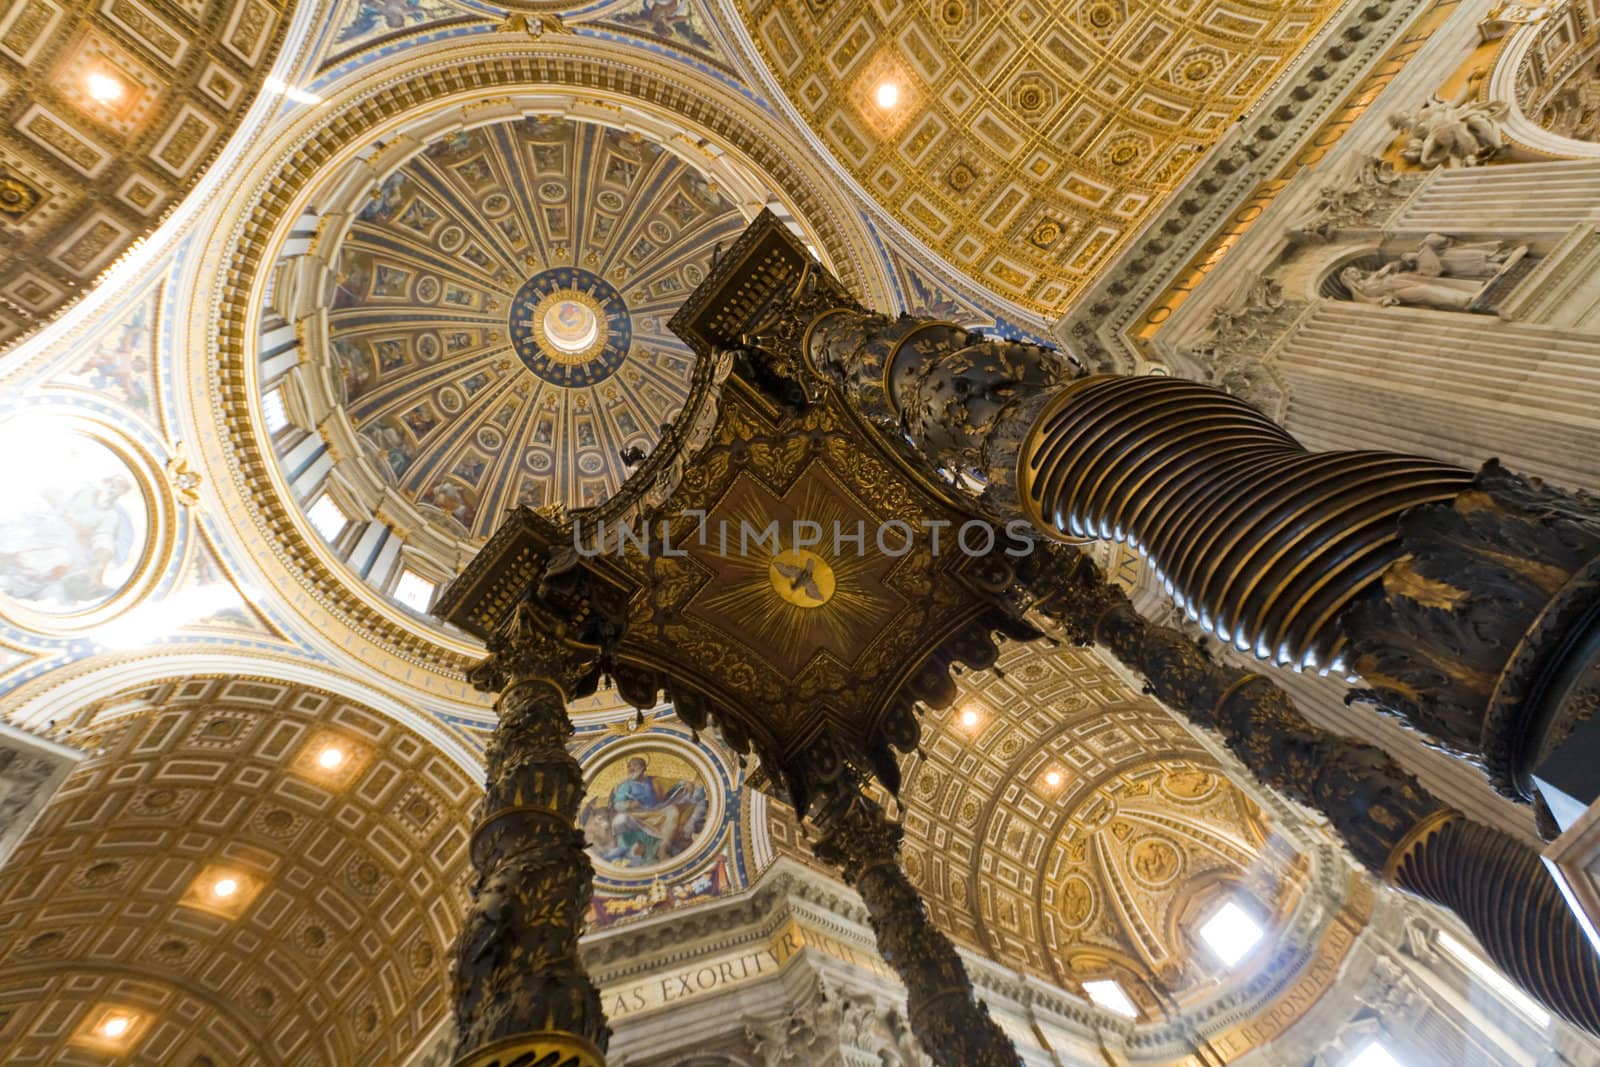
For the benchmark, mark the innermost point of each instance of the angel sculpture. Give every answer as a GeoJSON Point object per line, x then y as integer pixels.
{"type": "Point", "coordinates": [1456, 133]}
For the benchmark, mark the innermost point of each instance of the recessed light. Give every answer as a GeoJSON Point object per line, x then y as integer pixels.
{"type": "Point", "coordinates": [969, 716]}
{"type": "Point", "coordinates": [330, 757]}
{"type": "Point", "coordinates": [887, 94]}
{"type": "Point", "coordinates": [1052, 778]}
{"type": "Point", "coordinates": [225, 887]}
{"type": "Point", "coordinates": [103, 88]}
{"type": "Point", "coordinates": [116, 1026]}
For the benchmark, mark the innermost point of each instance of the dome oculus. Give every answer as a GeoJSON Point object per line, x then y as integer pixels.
{"type": "Point", "coordinates": [570, 327]}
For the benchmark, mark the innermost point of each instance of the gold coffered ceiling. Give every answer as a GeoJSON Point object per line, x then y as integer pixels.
{"type": "Point", "coordinates": [1030, 139]}
{"type": "Point", "coordinates": [331, 946]}
{"type": "Point", "coordinates": [109, 113]}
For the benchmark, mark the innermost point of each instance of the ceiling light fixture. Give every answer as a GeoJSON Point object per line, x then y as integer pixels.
{"type": "Point", "coordinates": [116, 1026]}
{"type": "Point", "coordinates": [887, 94]}
{"type": "Point", "coordinates": [225, 887]}
{"type": "Point", "coordinates": [103, 88]}
{"type": "Point", "coordinates": [969, 716]}
{"type": "Point", "coordinates": [330, 757]}
{"type": "Point", "coordinates": [1052, 778]}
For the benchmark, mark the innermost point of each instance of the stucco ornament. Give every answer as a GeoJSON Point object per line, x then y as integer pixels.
{"type": "Point", "coordinates": [1459, 132]}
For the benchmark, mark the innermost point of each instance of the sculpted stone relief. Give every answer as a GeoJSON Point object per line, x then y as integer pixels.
{"type": "Point", "coordinates": [1240, 338]}
{"type": "Point", "coordinates": [1361, 194]}
{"type": "Point", "coordinates": [30, 773]}
{"type": "Point", "coordinates": [835, 1026]}
{"type": "Point", "coordinates": [1458, 132]}
{"type": "Point", "coordinates": [1441, 273]}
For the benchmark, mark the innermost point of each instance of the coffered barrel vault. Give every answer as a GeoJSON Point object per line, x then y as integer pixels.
{"type": "Point", "coordinates": [238, 892]}
{"type": "Point", "coordinates": [1025, 143]}
{"type": "Point", "coordinates": [111, 112]}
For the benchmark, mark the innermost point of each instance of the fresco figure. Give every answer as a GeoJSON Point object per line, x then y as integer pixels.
{"type": "Point", "coordinates": [646, 819]}
{"type": "Point", "coordinates": [68, 549]}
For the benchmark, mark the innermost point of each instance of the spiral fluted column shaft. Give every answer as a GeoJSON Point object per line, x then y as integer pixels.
{"type": "Point", "coordinates": [955, 1029]}
{"type": "Point", "coordinates": [1517, 913]}
{"type": "Point", "coordinates": [1261, 541]}
{"type": "Point", "coordinates": [522, 996]}
{"type": "Point", "coordinates": [521, 990]}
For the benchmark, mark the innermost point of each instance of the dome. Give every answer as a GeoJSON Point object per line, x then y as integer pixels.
{"type": "Point", "coordinates": [471, 320]}
{"type": "Point", "coordinates": [496, 315]}
{"type": "Point", "coordinates": [462, 307]}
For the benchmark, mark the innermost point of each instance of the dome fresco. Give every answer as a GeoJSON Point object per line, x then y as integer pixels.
{"type": "Point", "coordinates": [496, 328]}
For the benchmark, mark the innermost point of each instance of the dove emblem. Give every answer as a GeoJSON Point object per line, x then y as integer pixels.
{"type": "Point", "coordinates": [801, 577]}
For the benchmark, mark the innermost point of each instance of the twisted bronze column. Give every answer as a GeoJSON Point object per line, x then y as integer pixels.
{"type": "Point", "coordinates": [954, 1028]}
{"type": "Point", "coordinates": [1394, 826]}
{"type": "Point", "coordinates": [1471, 603]}
{"type": "Point", "coordinates": [1468, 603]}
{"type": "Point", "coordinates": [521, 995]}
{"type": "Point", "coordinates": [1260, 541]}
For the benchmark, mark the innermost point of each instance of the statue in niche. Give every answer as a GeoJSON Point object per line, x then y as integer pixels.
{"type": "Point", "coordinates": [1439, 256]}
{"type": "Point", "coordinates": [1389, 285]}
{"type": "Point", "coordinates": [1454, 133]}
{"type": "Point", "coordinates": [1442, 273]}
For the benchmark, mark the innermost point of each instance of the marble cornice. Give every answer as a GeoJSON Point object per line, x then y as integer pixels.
{"type": "Point", "coordinates": [1260, 144]}
{"type": "Point", "coordinates": [753, 915]}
